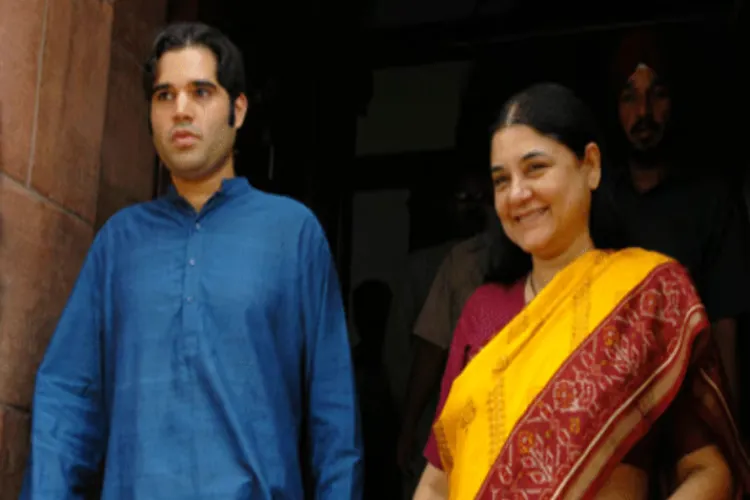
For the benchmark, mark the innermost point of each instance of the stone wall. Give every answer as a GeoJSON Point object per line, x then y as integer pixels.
{"type": "Point", "coordinates": [74, 148]}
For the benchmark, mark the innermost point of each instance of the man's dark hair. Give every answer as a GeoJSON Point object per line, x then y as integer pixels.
{"type": "Point", "coordinates": [229, 61]}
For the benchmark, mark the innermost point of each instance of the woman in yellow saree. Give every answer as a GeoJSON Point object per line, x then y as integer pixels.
{"type": "Point", "coordinates": [580, 371]}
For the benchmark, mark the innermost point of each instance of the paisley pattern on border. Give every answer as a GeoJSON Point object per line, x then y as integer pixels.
{"type": "Point", "coordinates": [550, 441]}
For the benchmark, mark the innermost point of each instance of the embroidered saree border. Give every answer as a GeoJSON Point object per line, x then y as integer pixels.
{"type": "Point", "coordinates": [554, 453]}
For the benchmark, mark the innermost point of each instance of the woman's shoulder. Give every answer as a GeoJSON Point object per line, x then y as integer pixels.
{"type": "Point", "coordinates": [486, 312]}
{"type": "Point", "coordinates": [494, 304]}
{"type": "Point", "coordinates": [634, 257]}
{"type": "Point", "coordinates": [663, 273]}
{"type": "Point", "coordinates": [491, 293]}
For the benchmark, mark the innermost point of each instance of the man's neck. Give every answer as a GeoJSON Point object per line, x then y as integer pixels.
{"type": "Point", "coordinates": [197, 192]}
{"type": "Point", "coordinates": [648, 169]}
{"type": "Point", "coordinates": [645, 178]}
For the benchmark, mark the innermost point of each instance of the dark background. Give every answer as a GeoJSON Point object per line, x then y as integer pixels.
{"type": "Point", "coordinates": [312, 62]}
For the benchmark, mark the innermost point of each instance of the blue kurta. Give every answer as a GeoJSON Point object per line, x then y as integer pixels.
{"type": "Point", "coordinates": [200, 356]}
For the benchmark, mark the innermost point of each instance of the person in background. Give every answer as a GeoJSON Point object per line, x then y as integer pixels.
{"type": "Point", "coordinates": [581, 364]}
{"type": "Point", "coordinates": [203, 352]}
{"type": "Point", "coordinates": [431, 326]}
{"type": "Point", "coordinates": [428, 247]}
{"type": "Point", "coordinates": [671, 203]}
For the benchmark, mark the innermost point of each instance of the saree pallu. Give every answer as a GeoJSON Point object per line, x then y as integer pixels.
{"type": "Point", "coordinates": [551, 405]}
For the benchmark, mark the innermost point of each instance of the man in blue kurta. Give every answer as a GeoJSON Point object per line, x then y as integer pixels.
{"type": "Point", "coordinates": [203, 353]}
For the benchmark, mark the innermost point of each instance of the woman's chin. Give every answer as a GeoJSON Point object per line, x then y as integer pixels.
{"type": "Point", "coordinates": [535, 247]}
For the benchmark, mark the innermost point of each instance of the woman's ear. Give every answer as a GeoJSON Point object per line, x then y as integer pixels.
{"type": "Point", "coordinates": [592, 160]}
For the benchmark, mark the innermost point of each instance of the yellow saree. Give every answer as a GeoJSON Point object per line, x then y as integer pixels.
{"type": "Point", "coordinates": [555, 400]}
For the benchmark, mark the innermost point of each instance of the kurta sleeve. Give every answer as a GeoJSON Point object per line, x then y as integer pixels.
{"type": "Point", "coordinates": [335, 440]}
{"type": "Point", "coordinates": [68, 428]}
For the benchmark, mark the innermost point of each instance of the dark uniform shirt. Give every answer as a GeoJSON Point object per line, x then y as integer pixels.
{"type": "Point", "coordinates": [700, 223]}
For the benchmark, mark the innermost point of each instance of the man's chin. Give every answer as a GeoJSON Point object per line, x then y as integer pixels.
{"type": "Point", "coordinates": [645, 144]}
{"type": "Point", "coordinates": [648, 141]}
{"type": "Point", "coordinates": [647, 157]}
{"type": "Point", "coordinates": [188, 172]}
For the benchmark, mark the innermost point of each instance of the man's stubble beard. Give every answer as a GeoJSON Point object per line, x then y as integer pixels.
{"type": "Point", "coordinates": [647, 159]}
{"type": "Point", "coordinates": [202, 171]}
{"type": "Point", "coordinates": [652, 157]}
{"type": "Point", "coordinates": [207, 168]}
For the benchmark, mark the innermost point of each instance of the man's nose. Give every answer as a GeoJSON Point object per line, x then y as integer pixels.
{"type": "Point", "coordinates": [645, 107]}
{"type": "Point", "coordinates": [183, 107]}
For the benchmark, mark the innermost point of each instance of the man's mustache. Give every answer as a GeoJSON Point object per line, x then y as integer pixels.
{"type": "Point", "coordinates": [646, 124]}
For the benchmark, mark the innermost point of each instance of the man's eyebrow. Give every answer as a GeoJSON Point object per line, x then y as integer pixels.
{"type": "Point", "coordinates": [195, 83]}
{"type": "Point", "coordinates": [203, 83]}
{"type": "Point", "coordinates": [160, 87]}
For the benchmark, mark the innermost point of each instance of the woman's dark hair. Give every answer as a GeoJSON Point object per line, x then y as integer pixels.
{"type": "Point", "coordinates": [556, 112]}
{"type": "Point", "coordinates": [229, 60]}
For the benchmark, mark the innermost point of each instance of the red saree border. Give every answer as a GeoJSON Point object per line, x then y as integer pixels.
{"type": "Point", "coordinates": [605, 396]}
{"type": "Point", "coordinates": [625, 430]}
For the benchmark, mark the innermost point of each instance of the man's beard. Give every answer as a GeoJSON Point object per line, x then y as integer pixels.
{"type": "Point", "coordinates": [648, 159]}
{"type": "Point", "coordinates": [649, 155]}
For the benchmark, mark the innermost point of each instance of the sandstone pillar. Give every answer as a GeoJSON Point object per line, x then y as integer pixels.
{"type": "Point", "coordinates": [74, 147]}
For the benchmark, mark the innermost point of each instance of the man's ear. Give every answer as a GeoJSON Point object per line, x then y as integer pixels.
{"type": "Point", "coordinates": [240, 110]}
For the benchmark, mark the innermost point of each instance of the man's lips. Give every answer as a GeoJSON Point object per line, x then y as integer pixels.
{"type": "Point", "coordinates": [183, 138]}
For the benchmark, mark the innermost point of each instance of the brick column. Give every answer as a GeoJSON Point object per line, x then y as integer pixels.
{"type": "Point", "coordinates": [74, 147]}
